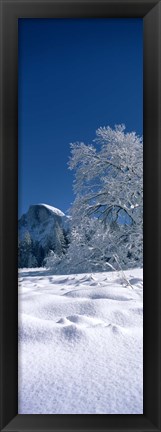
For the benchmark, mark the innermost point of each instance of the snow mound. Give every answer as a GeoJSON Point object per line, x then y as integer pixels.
{"type": "Point", "coordinates": [80, 343]}
{"type": "Point", "coordinates": [101, 293]}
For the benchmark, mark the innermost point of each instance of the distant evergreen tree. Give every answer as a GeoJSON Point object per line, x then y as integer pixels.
{"type": "Point", "coordinates": [39, 253]}
{"type": "Point", "coordinates": [32, 253]}
{"type": "Point", "coordinates": [59, 243]}
{"type": "Point", "coordinates": [25, 250]}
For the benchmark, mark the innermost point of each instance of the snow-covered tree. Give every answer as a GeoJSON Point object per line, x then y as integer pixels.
{"type": "Point", "coordinates": [89, 248]}
{"type": "Point", "coordinates": [109, 184]}
{"type": "Point", "coordinates": [106, 216]}
{"type": "Point", "coordinates": [53, 260]}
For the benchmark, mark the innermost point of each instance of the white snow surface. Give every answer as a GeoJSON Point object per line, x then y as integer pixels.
{"type": "Point", "coordinates": [53, 209]}
{"type": "Point", "coordinates": [80, 343]}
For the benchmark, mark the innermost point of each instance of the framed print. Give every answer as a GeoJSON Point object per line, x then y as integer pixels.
{"type": "Point", "coordinates": [80, 257]}
{"type": "Point", "coordinates": [79, 362]}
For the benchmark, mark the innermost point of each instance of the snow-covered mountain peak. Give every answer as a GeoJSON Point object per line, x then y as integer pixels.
{"type": "Point", "coordinates": [53, 209]}
{"type": "Point", "coordinates": [41, 229]}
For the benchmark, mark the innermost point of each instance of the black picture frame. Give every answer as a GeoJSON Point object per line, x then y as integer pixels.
{"type": "Point", "coordinates": [10, 11]}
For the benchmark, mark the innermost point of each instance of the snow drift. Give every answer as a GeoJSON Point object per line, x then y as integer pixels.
{"type": "Point", "coordinates": [81, 341]}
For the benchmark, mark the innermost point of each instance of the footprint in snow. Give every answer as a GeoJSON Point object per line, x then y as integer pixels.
{"type": "Point", "coordinates": [114, 328]}
{"type": "Point", "coordinates": [81, 321]}
{"type": "Point", "coordinates": [72, 333]}
{"type": "Point", "coordinates": [135, 281]}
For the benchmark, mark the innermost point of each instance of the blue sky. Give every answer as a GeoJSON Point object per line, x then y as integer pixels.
{"type": "Point", "coordinates": [74, 76]}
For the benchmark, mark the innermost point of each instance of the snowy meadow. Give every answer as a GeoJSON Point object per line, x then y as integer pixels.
{"type": "Point", "coordinates": [81, 340]}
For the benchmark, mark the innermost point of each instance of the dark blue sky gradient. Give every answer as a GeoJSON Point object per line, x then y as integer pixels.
{"type": "Point", "coordinates": [74, 76]}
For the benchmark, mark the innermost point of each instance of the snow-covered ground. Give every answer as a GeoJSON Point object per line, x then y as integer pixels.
{"type": "Point", "coordinates": [80, 343]}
